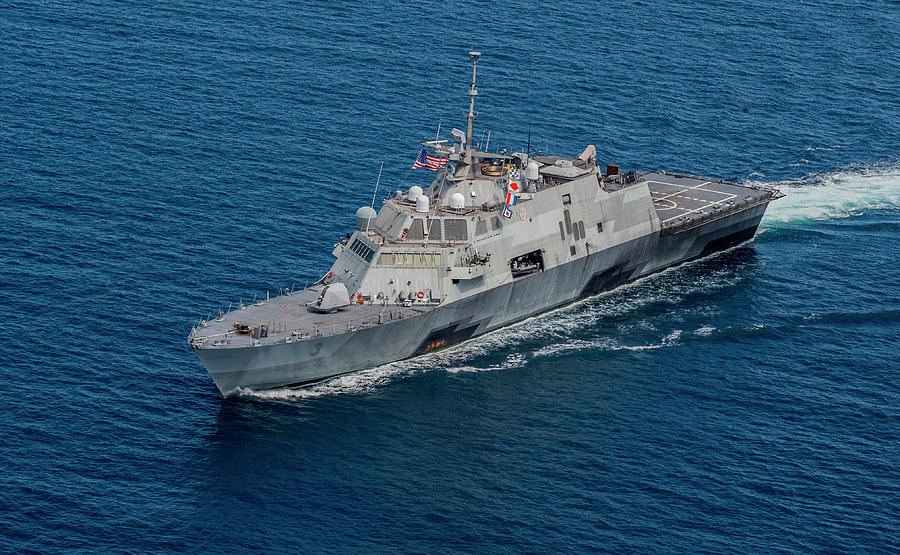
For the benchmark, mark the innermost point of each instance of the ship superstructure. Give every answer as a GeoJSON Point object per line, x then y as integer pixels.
{"type": "Point", "coordinates": [493, 239]}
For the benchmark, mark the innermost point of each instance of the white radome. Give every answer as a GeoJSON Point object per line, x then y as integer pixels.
{"type": "Point", "coordinates": [457, 201]}
{"type": "Point", "coordinates": [422, 204]}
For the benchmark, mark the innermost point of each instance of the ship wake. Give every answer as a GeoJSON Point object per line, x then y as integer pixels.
{"type": "Point", "coordinates": [841, 194]}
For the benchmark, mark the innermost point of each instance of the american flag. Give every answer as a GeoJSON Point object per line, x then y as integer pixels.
{"type": "Point", "coordinates": [432, 162]}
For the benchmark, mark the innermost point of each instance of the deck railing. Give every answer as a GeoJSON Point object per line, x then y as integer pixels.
{"type": "Point", "coordinates": [277, 331]}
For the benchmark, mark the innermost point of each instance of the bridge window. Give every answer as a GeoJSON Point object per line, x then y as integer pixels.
{"type": "Point", "coordinates": [410, 259]}
{"type": "Point", "coordinates": [361, 250]}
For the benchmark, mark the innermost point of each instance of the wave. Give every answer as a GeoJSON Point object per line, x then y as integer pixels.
{"type": "Point", "coordinates": [362, 381]}
{"type": "Point", "coordinates": [840, 194]}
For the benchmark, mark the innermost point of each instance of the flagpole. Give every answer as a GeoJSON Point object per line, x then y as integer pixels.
{"type": "Point", "coordinates": [377, 181]}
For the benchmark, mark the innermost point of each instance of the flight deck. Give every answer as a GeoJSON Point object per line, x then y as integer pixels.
{"type": "Point", "coordinates": [683, 201]}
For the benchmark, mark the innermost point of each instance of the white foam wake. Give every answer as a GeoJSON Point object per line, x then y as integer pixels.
{"type": "Point", "coordinates": [452, 360]}
{"type": "Point", "coordinates": [840, 194]}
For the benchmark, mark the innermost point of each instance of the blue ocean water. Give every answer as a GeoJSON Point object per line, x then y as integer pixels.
{"type": "Point", "coordinates": [161, 161]}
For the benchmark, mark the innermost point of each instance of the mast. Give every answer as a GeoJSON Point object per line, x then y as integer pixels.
{"type": "Point", "coordinates": [465, 162]}
{"type": "Point", "coordinates": [473, 92]}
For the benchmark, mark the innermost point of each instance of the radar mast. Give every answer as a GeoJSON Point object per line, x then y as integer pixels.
{"type": "Point", "coordinates": [464, 167]}
{"type": "Point", "coordinates": [473, 92]}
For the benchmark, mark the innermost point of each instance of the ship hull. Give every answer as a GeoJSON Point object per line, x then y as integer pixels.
{"type": "Point", "coordinates": [304, 362]}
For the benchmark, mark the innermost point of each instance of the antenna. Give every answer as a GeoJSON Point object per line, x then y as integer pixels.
{"type": "Point", "coordinates": [473, 92]}
{"type": "Point", "coordinates": [437, 135]}
{"type": "Point", "coordinates": [528, 150]}
{"type": "Point", "coordinates": [488, 145]}
{"type": "Point", "coordinates": [377, 181]}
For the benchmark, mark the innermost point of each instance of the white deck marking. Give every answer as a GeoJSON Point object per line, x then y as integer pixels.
{"type": "Point", "coordinates": [676, 193]}
{"type": "Point", "coordinates": [685, 189]}
{"type": "Point", "coordinates": [673, 184]}
{"type": "Point", "coordinates": [724, 200]}
{"type": "Point", "coordinates": [681, 194]}
{"type": "Point", "coordinates": [673, 206]}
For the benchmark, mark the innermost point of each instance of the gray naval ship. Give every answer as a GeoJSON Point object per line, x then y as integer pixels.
{"type": "Point", "coordinates": [495, 238]}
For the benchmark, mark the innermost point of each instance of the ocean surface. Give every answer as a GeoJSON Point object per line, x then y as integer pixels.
{"type": "Point", "coordinates": [159, 161]}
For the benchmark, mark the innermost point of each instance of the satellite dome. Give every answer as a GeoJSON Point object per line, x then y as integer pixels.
{"type": "Point", "coordinates": [457, 201]}
{"type": "Point", "coordinates": [414, 192]}
{"type": "Point", "coordinates": [532, 171]}
{"type": "Point", "coordinates": [364, 217]}
{"type": "Point", "coordinates": [422, 203]}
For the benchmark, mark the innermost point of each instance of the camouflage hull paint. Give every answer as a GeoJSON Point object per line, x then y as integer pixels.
{"type": "Point", "coordinates": [303, 362]}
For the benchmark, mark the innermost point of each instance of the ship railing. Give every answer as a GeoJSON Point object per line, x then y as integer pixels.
{"type": "Point", "coordinates": [278, 332]}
